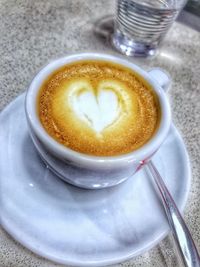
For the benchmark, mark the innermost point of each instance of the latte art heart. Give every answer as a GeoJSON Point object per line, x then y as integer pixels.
{"type": "Point", "coordinates": [98, 108]}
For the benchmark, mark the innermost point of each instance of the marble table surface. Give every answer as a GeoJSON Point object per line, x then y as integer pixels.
{"type": "Point", "coordinates": [35, 32]}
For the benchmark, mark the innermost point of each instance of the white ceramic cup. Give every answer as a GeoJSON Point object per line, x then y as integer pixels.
{"type": "Point", "coordinates": [84, 170]}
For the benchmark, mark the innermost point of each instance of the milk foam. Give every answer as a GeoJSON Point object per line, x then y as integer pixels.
{"type": "Point", "coordinates": [97, 108]}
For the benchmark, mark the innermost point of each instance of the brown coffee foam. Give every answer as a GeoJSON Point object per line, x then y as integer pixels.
{"type": "Point", "coordinates": [138, 123]}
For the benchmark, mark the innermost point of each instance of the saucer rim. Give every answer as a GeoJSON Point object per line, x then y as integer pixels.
{"type": "Point", "coordinates": [116, 259]}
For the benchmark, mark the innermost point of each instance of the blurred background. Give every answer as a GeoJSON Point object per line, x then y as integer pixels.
{"type": "Point", "coordinates": [191, 14]}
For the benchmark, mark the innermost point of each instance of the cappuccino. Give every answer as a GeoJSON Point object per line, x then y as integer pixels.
{"type": "Point", "coordinates": [98, 108]}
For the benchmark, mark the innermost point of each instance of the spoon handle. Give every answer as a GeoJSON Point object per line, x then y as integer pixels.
{"type": "Point", "coordinates": [181, 233]}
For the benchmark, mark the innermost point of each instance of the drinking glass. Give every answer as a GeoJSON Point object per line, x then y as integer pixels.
{"type": "Point", "coordinates": [141, 25]}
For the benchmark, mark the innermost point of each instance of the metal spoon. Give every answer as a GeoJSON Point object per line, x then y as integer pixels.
{"type": "Point", "coordinates": [181, 233]}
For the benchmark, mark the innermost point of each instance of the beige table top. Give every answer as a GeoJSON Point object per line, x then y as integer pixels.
{"type": "Point", "coordinates": [34, 32]}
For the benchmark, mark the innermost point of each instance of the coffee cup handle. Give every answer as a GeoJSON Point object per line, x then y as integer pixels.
{"type": "Point", "coordinates": [161, 77]}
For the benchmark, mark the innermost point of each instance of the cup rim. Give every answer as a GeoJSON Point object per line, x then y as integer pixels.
{"type": "Point", "coordinates": [66, 153]}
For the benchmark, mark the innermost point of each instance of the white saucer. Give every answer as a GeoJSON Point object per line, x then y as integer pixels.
{"type": "Point", "coordinates": [76, 226]}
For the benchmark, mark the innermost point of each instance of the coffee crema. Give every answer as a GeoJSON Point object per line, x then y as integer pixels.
{"type": "Point", "coordinates": [98, 108]}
